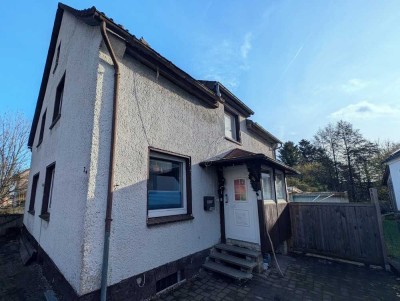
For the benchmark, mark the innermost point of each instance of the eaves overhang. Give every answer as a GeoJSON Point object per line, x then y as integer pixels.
{"type": "Point", "coordinates": [259, 131]}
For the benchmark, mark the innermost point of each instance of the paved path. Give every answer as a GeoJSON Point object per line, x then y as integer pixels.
{"type": "Point", "coordinates": [18, 282]}
{"type": "Point", "coordinates": [305, 279]}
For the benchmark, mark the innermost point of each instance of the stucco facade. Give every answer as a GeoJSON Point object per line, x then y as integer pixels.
{"type": "Point", "coordinates": [68, 144]}
{"type": "Point", "coordinates": [152, 112]}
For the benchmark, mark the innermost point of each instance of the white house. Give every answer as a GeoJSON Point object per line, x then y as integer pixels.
{"type": "Point", "coordinates": [391, 178]}
{"type": "Point", "coordinates": [138, 169]}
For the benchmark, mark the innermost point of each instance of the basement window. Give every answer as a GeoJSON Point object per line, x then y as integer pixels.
{"type": "Point", "coordinates": [169, 281]}
{"type": "Point", "coordinates": [33, 194]}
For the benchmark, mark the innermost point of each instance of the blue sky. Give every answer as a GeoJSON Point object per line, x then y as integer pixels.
{"type": "Point", "coordinates": [297, 64]}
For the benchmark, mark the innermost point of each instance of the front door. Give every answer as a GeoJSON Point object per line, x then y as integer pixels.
{"type": "Point", "coordinates": [240, 204]}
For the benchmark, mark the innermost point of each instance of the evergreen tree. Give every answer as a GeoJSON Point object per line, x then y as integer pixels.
{"type": "Point", "coordinates": [289, 154]}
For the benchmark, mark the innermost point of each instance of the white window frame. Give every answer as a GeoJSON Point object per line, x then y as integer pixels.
{"type": "Point", "coordinates": [172, 211]}
{"type": "Point", "coordinates": [280, 200]}
{"type": "Point", "coordinates": [233, 126]}
{"type": "Point", "coordinates": [271, 182]}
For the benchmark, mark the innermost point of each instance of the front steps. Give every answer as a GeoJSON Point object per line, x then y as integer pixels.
{"type": "Point", "coordinates": [233, 261]}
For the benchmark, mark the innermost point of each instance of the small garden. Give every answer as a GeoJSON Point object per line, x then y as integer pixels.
{"type": "Point", "coordinates": [391, 232]}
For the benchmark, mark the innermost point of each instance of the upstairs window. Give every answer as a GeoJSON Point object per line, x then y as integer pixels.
{"type": "Point", "coordinates": [33, 194]}
{"type": "Point", "coordinates": [48, 191]}
{"type": "Point", "coordinates": [280, 186]}
{"type": "Point", "coordinates": [231, 126]}
{"type": "Point", "coordinates": [57, 57]}
{"type": "Point", "coordinates": [42, 128]}
{"type": "Point", "coordinates": [59, 101]}
{"type": "Point", "coordinates": [168, 185]}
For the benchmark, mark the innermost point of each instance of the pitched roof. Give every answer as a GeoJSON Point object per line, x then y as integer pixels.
{"type": "Point", "coordinates": [239, 156]}
{"type": "Point", "coordinates": [257, 129]}
{"type": "Point", "coordinates": [392, 156]}
{"type": "Point", "coordinates": [135, 47]}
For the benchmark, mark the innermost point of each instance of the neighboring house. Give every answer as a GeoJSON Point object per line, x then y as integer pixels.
{"type": "Point", "coordinates": [391, 178]}
{"type": "Point", "coordinates": [177, 160]}
{"type": "Point", "coordinates": [320, 197]}
{"type": "Point", "coordinates": [18, 190]}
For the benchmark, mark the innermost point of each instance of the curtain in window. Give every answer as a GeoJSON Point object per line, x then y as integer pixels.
{"type": "Point", "coordinates": [165, 184]}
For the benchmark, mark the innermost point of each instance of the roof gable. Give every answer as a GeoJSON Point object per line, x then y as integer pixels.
{"type": "Point", "coordinates": [135, 47]}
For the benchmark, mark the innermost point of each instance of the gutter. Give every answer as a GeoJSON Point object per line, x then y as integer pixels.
{"type": "Point", "coordinates": [107, 230]}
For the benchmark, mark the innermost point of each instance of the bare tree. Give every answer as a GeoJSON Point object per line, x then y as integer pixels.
{"type": "Point", "coordinates": [14, 154]}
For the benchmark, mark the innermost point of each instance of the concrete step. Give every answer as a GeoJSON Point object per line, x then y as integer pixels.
{"type": "Point", "coordinates": [250, 265]}
{"type": "Point", "coordinates": [227, 271]}
{"type": "Point", "coordinates": [238, 250]}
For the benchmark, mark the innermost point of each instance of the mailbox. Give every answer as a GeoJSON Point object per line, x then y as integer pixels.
{"type": "Point", "coordinates": [209, 203]}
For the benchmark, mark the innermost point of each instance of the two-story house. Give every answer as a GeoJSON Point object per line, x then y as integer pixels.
{"type": "Point", "coordinates": [138, 169]}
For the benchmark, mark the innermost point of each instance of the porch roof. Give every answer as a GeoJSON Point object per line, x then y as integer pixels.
{"type": "Point", "coordinates": [239, 156]}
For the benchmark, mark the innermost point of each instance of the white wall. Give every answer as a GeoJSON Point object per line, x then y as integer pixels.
{"type": "Point", "coordinates": [394, 167]}
{"type": "Point", "coordinates": [68, 143]}
{"type": "Point", "coordinates": [172, 120]}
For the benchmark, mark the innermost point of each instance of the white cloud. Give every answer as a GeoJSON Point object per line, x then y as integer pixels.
{"type": "Point", "coordinates": [246, 45]}
{"type": "Point", "coordinates": [354, 85]}
{"type": "Point", "coordinates": [366, 110]}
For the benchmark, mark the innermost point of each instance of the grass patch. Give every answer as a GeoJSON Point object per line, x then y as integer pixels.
{"type": "Point", "coordinates": [391, 232]}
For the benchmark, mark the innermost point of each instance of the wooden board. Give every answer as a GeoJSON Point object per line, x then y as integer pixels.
{"type": "Point", "coordinates": [348, 231]}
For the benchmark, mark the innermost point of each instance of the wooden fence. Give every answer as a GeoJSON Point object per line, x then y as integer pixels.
{"type": "Point", "coordinates": [349, 231]}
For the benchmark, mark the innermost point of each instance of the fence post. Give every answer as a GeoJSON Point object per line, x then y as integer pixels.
{"type": "Point", "coordinates": [373, 192]}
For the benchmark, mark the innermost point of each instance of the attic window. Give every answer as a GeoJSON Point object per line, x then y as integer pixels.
{"type": "Point", "coordinates": [57, 57]}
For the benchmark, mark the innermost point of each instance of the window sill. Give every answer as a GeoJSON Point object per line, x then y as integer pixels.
{"type": "Point", "coordinates": [31, 212]}
{"type": "Point", "coordinates": [153, 221]}
{"type": "Point", "coordinates": [55, 121]}
{"type": "Point", "coordinates": [233, 141]}
{"type": "Point", "coordinates": [39, 143]}
{"type": "Point", "coordinates": [45, 216]}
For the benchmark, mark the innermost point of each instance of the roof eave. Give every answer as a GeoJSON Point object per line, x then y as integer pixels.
{"type": "Point", "coordinates": [93, 17]}
{"type": "Point", "coordinates": [46, 74]}
{"type": "Point", "coordinates": [243, 160]}
{"type": "Point", "coordinates": [261, 132]}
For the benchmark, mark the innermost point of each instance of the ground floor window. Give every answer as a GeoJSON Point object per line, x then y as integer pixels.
{"type": "Point", "coordinates": [280, 186]}
{"type": "Point", "coordinates": [48, 191]}
{"type": "Point", "coordinates": [167, 188]}
{"type": "Point", "coordinates": [267, 185]}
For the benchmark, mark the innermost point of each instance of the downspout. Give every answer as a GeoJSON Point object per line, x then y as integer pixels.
{"type": "Point", "coordinates": [104, 272]}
